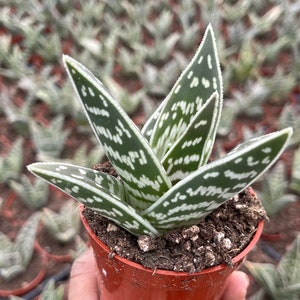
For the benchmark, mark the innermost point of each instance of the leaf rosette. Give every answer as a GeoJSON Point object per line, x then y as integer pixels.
{"type": "Point", "coordinates": [165, 180]}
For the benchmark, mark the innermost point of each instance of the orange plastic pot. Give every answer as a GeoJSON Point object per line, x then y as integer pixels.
{"type": "Point", "coordinates": [119, 278]}
{"type": "Point", "coordinates": [61, 258]}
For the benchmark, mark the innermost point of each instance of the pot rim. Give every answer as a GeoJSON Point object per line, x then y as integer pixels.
{"type": "Point", "coordinates": [56, 257]}
{"type": "Point", "coordinates": [235, 260]}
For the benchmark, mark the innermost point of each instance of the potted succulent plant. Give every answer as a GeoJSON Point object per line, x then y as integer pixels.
{"type": "Point", "coordinates": [58, 234]}
{"type": "Point", "coordinates": [164, 180]}
{"type": "Point", "coordinates": [18, 256]}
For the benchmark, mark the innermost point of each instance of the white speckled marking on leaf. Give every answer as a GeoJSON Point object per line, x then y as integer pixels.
{"type": "Point", "coordinates": [198, 81]}
{"type": "Point", "coordinates": [122, 142]}
{"type": "Point", "coordinates": [194, 146]}
{"type": "Point", "coordinates": [107, 199]}
{"type": "Point", "coordinates": [216, 182]}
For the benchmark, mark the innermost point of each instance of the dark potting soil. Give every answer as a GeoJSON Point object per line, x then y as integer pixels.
{"type": "Point", "coordinates": [214, 240]}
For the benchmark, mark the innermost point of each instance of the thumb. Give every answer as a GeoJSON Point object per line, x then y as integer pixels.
{"type": "Point", "coordinates": [83, 277]}
{"type": "Point", "coordinates": [236, 287]}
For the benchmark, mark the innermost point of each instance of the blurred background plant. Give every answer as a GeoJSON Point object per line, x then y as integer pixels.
{"type": "Point", "coordinates": [50, 291]}
{"type": "Point", "coordinates": [16, 255]}
{"type": "Point", "coordinates": [139, 48]}
{"type": "Point", "coordinates": [273, 193]}
{"type": "Point", "coordinates": [49, 140]}
{"type": "Point", "coordinates": [281, 282]}
{"type": "Point", "coordinates": [12, 163]}
{"type": "Point", "coordinates": [63, 225]}
{"type": "Point", "coordinates": [33, 194]}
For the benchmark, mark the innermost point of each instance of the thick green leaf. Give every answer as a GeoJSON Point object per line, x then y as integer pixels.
{"type": "Point", "coordinates": [147, 129]}
{"type": "Point", "coordinates": [273, 193]}
{"type": "Point", "coordinates": [289, 264]}
{"type": "Point", "coordinates": [266, 275]}
{"type": "Point", "coordinates": [26, 237]}
{"type": "Point", "coordinates": [293, 289]}
{"type": "Point", "coordinates": [99, 191]}
{"type": "Point", "coordinates": [204, 190]}
{"type": "Point", "coordinates": [135, 162]}
{"type": "Point", "coordinates": [194, 146]}
{"type": "Point", "coordinates": [195, 85]}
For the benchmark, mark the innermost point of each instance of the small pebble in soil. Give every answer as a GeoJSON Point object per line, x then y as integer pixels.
{"type": "Point", "coordinates": [187, 246]}
{"type": "Point", "coordinates": [210, 257]}
{"type": "Point", "coordinates": [173, 237]}
{"type": "Point", "coordinates": [146, 243]}
{"type": "Point", "coordinates": [190, 232]}
{"type": "Point", "coordinates": [112, 227]}
{"type": "Point", "coordinates": [219, 236]}
{"type": "Point", "coordinates": [226, 244]}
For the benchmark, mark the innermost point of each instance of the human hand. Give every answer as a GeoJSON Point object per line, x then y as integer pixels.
{"type": "Point", "coordinates": [83, 281]}
{"type": "Point", "coordinates": [236, 286]}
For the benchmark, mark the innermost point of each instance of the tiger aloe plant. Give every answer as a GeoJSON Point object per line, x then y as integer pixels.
{"type": "Point", "coordinates": [16, 255]}
{"type": "Point", "coordinates": [64, 225]}
{"type": "Point", "coordinates": [281, 281]}
{"type": "Point", "coordinates": [165, 180]}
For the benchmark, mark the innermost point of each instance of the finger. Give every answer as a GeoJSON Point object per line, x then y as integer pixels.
{"type": "Point", "coordinates": [83, 278]}
{"type": "Point", "coordinates": [236, 287]}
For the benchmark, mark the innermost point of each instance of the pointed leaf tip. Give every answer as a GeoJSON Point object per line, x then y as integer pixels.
{"type": "Point", "coordinates": [99, 191]}
{"type": "Point", "coordinates": [130, 154]}
{"type": "Point", "coordinates": [201, 78]}
{"type": "Point", "coordinates": [211, 185]}
{"type": "Point", "coordinates": [194, 146]}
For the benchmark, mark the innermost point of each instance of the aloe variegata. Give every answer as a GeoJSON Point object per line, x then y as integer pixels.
{"type": "Point", "coordinates": [164, 179]}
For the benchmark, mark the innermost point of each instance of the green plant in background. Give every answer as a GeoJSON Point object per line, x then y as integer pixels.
{"type": "Point", "coordinates": [80, 247]}
{"type": "Point", "coordinates": [129, 102]}
{"type": "Point", "coordinates": [160, 28]}
{"type": "Point", "coordinates": [161, 49]}
{"type": "Point", "coordinates": [157, 82]}
{"type": "Point", "coordinates": [49, 140]}
{"type": "Point", "coordinates": [280, 282]}
{"type": "Point", "coordinates": [164, 179]}
{"type": "Point", "coordinates": [289, 117]}
{"type": "Point", "coordinates": [270, 54]}
{"type": "Point", "coordinates": [279, 85]}
{"type": "Point", "coordinates": [248, 102]}
{"type": "Point", "coordinates": [186, 12]}
{"type": "Point", "coordinates": [11, 164]}
{"type": "Point", "coordinates": [235, 12]}
{"type": "Point", "coordinates": [15, 256]}
{"type": "Point", "coordinates": [51, 292]}
{"type": "Point", "coordinates": [86, 158]}
{"type": "Point", "coordinates": [289, 29]}
{"type": "Point", "coordinates": [295, 176]}
{"type": "Point", "coordinates": [263, 24]}
{"type": "Point", "coordinates": [273, 193]}
{"type": "Point", "coordinates": [164, 41]}
{"type": "Point", "coordinates": [210, 12]}
{"type": "Point", "coordinates": [64, 225]}
{"type": "Point", "coordinates": [34, 195]}
{"type": "Point", "coordinates": [49, 47]}
{"type": "Point", "coordinates": [131, 61]}
{"type": "Point", "coordinates": [18, 116]}
{"type": "Point", "coordinates": [12, 59]}
{"type": "Point", "coordinates": [246, 64]}
{"type": "Point", "coordinates": [50, 93]}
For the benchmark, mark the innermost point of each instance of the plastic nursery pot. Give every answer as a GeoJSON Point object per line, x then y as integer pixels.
{"type": "Point", "coordinates": [56, 252]}
{"type": "Point", "coordinates": [119, 278]}
{"type": "Point", "coordinates": [29, 285]}
{"type": "Point", "coordinates": [6, 208]}
{"type": "Point", "coordinates": [61, 258]}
